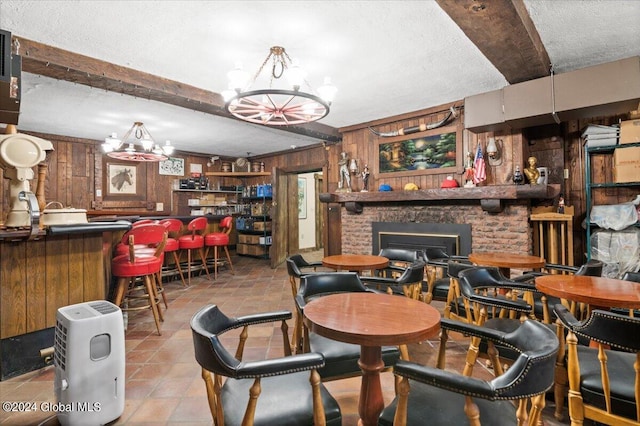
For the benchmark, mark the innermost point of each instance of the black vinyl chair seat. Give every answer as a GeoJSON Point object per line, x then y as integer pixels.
{"type": "Point", "coordinates": [343, 357]}
{"type": "Point", "coordinates": [437, 397]}
{"type": "Point", "coordinates": [286, 385]}
{"type": "Point", "coordinates": [280, 402]}
{"type": "Point", "coordinates": [591, 381]}
{"type": "Point", "coordinates": [620, 364]}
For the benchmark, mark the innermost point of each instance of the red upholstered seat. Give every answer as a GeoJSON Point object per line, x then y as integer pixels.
{"type": "Point", "coordinates": [219, 239]}
{"type": "Point", "coordinates": [194, 240]}
{"type": "Point", "coordinates": [121, 266]}
{"type": "Point", "coordinates": [191, 241]}
{"type": "Point", "coordinates": [141, 263]}
{"type": "Point", "coordinates": [216, 239]}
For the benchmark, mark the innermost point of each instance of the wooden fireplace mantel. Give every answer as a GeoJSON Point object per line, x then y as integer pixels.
{"type": "Point", "coordinates": [491, 197]}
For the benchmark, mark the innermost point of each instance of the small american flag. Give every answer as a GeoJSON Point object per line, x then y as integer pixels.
{"type": "Point", "coordinates": [479, 170]}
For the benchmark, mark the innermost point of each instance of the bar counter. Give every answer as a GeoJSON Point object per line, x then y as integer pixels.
{"type": "Point", "coordinates": [59, 266]}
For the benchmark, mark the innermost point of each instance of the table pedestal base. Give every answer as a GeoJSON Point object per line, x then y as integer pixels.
{"type": "Point", "coordinates": [371, 402]}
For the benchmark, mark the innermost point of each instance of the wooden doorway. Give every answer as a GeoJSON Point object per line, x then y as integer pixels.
{"type": "Point", "coordinates": [286, 223]}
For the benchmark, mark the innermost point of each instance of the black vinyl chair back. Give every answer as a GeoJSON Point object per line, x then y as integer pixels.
{"type": "Point", "coordinates": [592, 268]}
{"type": "Point", "coordinates": [454, 268]}
{"type": "Point", "coordinates": [206, 326]}
{"type": "Point", "coordinates": [413, 273]}
{"type": "Point", "coordinates": [400, 254]}
{"type": "Point", "coordinates": [480, 278]}
{"type": "Point", "coordinates": [443, 396]}
{"type": "Point", "coordinates": [323, 284]}
{"type": "Point", "coordinates": [632, 276]}
{"type": "Point", "coordinates": [435, 254]}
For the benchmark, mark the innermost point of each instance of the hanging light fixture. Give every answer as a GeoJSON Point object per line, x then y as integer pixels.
{"type": "Point", "coordinates": [272, 106]}
{"type": "Point", "coordinates": [123, 149]}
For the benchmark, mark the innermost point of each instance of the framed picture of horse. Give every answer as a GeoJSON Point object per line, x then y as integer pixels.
{"type": "Point", "coordinates": [122, 179]}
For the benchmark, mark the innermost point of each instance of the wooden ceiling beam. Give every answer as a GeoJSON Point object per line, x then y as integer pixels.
{"type": "Point", "coordinates": [503, 31]}
{"type": "Point", "coordinates": [49, 61]}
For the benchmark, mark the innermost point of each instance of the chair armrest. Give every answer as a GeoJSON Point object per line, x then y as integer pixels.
{"type": "Point", "coordinates": [565, 316]}
{"type": "Point", "coordinates": [438, 262]}
{"type": "Point", "coordinates": [443, 379]}
{"type": "Point", "coordinates": [262, 318]}
{"type": "Point", "coordinates": [515, 305]}
{"type": "Point", "coordinates": [473, 330]}
{"type": "Point", "coordinates": [280, 366]}
{"type": "Point", "coordinates": [379, 281]}
{"type": "Point", "coordinates": [517, 285]}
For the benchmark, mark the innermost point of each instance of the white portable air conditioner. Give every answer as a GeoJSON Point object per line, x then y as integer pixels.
{"type": "Point", "coordinates": [89, 359]}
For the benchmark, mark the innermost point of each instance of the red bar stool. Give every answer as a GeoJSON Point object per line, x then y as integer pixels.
{"type": "Point", "coordinates": [173, 227]}
{"type": "Point", "coordinates": [136, 264]}
{"type": "Point", "coordinates": [219, 239]}
{"type": "Point", "coordinates": [194, 240]}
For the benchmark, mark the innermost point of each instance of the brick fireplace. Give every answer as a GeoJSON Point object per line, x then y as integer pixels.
{"type": "Point", "coordinates": [505, 231]}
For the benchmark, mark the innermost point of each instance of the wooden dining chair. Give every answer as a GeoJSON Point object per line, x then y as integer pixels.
{"type": "Point", "coordinates": [406, 282]}
{"type": "Point", "coordinates": [440, 397]}
{"type": "Point", "coordinates": [276, 391]}
{"type": "Point", "coordinates": [604, 377]}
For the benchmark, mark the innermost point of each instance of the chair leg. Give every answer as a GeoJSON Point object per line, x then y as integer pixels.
{"type": "Point", "coordinates": [121, 289]}
{"type": "Point", "coordinates": [152, 302]}
{"type": "Point", "coordinates": [226, 250]}
{"type": "Point", "coordinates": [176, 259]}
{"type": "Point", "coordinates": [204, 262]}
{"type": "Point", "coordinates": [160, 289]}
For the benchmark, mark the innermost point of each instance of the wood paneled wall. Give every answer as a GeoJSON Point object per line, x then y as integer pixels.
{"type": "Point", "coordinates": [362, 144]}
{"type": "Point", "coordinates": [38, 277]}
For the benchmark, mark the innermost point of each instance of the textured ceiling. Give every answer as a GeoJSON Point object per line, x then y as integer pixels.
{"type": "Point", "coordinates": [386, 57]}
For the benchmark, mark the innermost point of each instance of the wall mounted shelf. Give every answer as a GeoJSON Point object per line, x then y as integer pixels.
{"type": "Point", "coordinates": [491, 197]}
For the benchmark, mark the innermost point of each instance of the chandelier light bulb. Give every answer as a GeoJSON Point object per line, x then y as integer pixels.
{"type": "Point", "coordinates": [296, 75]}
{"type": "Point", "coordinates": [168, 148]}
{"type": "Point", "coordinates": [327, 91]}
{"type": "Point", "coordinates": [238, 78]}
{"type": "Point", "coordinates": [147, 143]}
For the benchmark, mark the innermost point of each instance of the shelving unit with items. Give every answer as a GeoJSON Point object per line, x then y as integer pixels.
{"type": "Point", "coordinates": [254, 225]}
{"type": "Point", "coordinates": [625, 158]}
{"type": "Point", "coordinates": [199, 202]}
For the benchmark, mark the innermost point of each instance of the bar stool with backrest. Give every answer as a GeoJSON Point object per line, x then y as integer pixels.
{"type": "Point", "coordinates": [143, 250]}
{"type": "Point", "coordinates": [173, 226]}
{"type": "Point", "coordinates": [128, 267]}
{"type": "Point", "coordinates": [219, 239]}
{"type": "Point", "coordinates": [194, 240]}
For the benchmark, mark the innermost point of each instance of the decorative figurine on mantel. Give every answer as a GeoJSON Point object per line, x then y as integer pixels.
{"type": "Point", "coordinates": [518, 178]}
{"type": "Point", "coordinates": [469, 172]}
{"type": "Point", "coordinates": [344, 184]}
{"type": "Point", "coordinates": [531, 172]}
{"type": "Point", "coordinates": [365, 179]}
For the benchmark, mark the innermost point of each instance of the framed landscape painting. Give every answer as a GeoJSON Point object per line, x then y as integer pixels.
{"type": "Point", "coordinates": [433, 151]}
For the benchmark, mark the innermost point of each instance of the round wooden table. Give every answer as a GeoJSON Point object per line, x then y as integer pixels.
{"type": "Point", "coordinates": [598, 292]}
{"type": "Point", "coordinates": [371, 320]}
{"type": "Point", "coordinates": [355, 262]}
{"type": "Point", "coordinates": [506, 261]}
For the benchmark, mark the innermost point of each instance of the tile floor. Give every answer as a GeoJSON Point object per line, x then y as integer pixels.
{"type": "Point", "coordinates": [163, 383]}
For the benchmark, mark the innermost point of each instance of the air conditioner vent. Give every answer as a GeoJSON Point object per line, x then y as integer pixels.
{"type": "Point", "coordinates": [60, 346]}
{"type": "Point", "coordinates": [104, 307]}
